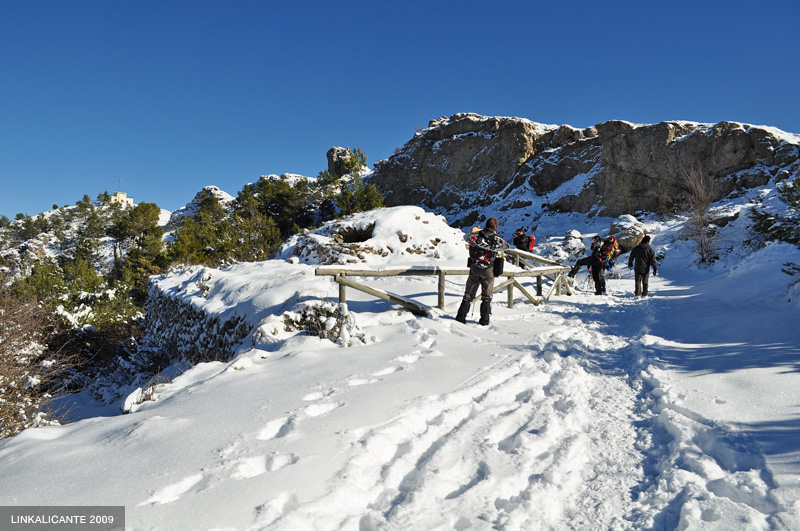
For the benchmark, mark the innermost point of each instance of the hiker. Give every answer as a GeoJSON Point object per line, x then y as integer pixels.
{"type": "Point", "coordinates": [609, 249]}
{"type": "Point", "coordinates": [595, 263]}
{"type": "Point", "coordinates": [484, 247]}
{"type": "Point", "coordinates": [641, 259]}
{"type": "Point", "coordinates": [523, 242]}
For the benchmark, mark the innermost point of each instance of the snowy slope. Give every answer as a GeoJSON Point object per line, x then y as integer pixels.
{"type": "Point", "coordinates": [679, 411]}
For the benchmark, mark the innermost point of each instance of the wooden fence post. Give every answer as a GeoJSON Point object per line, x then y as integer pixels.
{"type": "Point", "coordinates": [441, 290]}
{"type": "Point", "coordinates": [342, 290]}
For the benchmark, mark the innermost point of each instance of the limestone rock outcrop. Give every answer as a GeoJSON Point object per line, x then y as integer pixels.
{"type": "Point", "coordinates": [336, 161]}
{"type": "Point", "coordinates": [464, 155]}
{"type": "Point", "coordinates": [467, 160]}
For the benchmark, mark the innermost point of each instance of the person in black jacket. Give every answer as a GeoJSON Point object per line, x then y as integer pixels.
{"type": "Point", "coordinates": [484, 247]}
{"type": "Point", "coordinates": [522, 241]}
{"type": "Point", "coordinates": [595, 263]}
{"type": "Point", "coordinates": [642, 258]}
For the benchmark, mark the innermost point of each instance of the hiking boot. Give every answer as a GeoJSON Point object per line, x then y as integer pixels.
{"type": "Point", "coordinates": [486, 311]}
{"type": "Point", "coordinates": [461, 316]}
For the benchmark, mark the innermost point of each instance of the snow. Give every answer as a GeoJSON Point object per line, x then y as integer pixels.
{"type": "Point", "coordinates": [678, 411]}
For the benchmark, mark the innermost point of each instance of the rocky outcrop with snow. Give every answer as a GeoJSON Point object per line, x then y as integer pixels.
{"type": "Point", "coordinates": [193, 206]}
{"type": "Point", "coordinates": [468, 161]}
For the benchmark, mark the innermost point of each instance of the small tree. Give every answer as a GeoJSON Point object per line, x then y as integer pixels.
{"type": "Point", "coordinates": [104, 198]}
{"type": "Point", "coordinates": [358, 196]}
{"type": "Point", "coordinates": [355, 162]}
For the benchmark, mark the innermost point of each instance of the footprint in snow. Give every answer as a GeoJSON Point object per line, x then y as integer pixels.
{"type": "Point", "coordinates": [314, 396]}
{"type": "Point", "coordinates": [316, 410]}
{"type": "Point", "coordinates": [408, 358]}
{"type": "Point", "coordinates": [250, 467]}
{"type": "Point", "coordinates": [353, 382]}
{"type": "Point", "coordinates": [387, 371]}
{"type": "Point", "coordinates": [277, 460]}
{"type": "Point", "coordinates": [174, 491]}
{"type": "Point", "coordinates": [275, 429]}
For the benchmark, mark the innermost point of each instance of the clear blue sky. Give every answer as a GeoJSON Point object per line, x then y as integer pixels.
{"type": "Point", "coordinates": [171, 96]}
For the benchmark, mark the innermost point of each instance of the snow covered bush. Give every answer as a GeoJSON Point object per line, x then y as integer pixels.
{"type": "Point", "coordinates": [781, 225]}
{"type": "Point", "coordinates": [188, 333]}
{"type": "Point", "coordinates": [325, 320]}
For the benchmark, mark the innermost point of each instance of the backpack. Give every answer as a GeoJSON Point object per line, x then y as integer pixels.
{"type": "Point", "coordinates": [531, 242]}
{"type": "Point", "coordinates": [480, 257]}
{"type": "Point", "coordinates": [609, 250]}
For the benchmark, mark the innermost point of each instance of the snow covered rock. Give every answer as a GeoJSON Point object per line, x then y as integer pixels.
{"type": "Point", "coordinates": [628, 231]}
{"type": "Point", "coordinates": [193, 206]}
{"type": "Point", "coordinates": [469, 161]}
{"type": "Point", "coordinates": [565, 250]}
{"type": "Point", "coordinates": [401, 235]}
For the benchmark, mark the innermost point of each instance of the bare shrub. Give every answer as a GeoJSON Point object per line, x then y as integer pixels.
{"type": "Point", "coordinates": [700, 191]}
{"type": "Point", "coordinates": [29, 374]}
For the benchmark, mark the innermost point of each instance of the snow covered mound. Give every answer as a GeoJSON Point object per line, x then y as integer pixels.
{"type": "Point", "coordinates": [399, 236]}
{"type": "Point", "coordinates": [278, 298]}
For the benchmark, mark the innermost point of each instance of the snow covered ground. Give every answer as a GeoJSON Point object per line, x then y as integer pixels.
{"type": "Point", "coordinates": [679, 411]}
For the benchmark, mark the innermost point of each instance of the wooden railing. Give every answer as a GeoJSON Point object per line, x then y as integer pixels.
{"type": "Point", "coordinates": [548, 269]}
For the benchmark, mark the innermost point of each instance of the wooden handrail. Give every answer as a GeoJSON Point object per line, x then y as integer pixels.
{"type": "Point", "coordinates": [431, 270]}
{"type": "Point", "coordinates": [340, 275]}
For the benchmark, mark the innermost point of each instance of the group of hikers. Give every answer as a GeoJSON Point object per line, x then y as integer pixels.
{"type": "Point", "coordinates": [601, 258]}
{"type": "Point", "coordinates": [485, 262]}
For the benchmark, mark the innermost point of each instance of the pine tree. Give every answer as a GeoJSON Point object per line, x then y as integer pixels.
{"type": "Point", "coordinates": [781, 227]}
{"type": "Point", "coordinates": [358, 196]}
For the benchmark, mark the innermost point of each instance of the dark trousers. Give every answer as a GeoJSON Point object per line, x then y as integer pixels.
{"type": "Point", "coordinates": [641, 279]}
{"type": "Point", "coordinates": [598, 272]}
{"type": "Point", "coordinates": [479, 278]}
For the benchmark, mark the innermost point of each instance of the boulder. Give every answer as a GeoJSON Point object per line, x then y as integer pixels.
{"type": "Point", "coordinates": [628, 231]}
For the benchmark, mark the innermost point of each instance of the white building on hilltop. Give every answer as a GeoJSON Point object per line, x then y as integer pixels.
{"type": "Point", "coordinates": [122, 197]}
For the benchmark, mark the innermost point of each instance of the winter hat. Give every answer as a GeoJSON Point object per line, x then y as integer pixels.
{"type": "Point", "coordinates": [646, 239]}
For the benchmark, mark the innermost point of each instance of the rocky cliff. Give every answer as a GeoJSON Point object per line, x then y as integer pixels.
{"type": "Point", "coordinates": [467, 161]}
